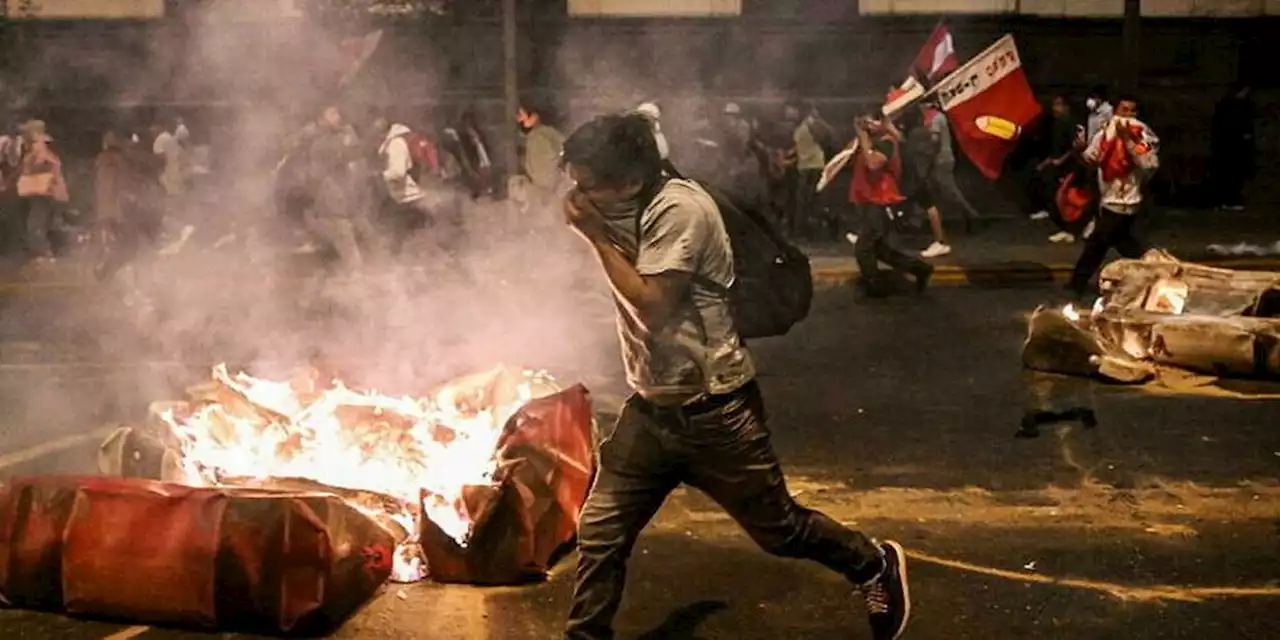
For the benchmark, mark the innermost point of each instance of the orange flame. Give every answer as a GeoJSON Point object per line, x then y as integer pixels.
{"type": "Point", "coordinates": [401, 447]}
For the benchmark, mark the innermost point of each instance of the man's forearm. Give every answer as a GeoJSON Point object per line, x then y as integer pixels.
{"type": "Point", "coordinates": [640, 298]}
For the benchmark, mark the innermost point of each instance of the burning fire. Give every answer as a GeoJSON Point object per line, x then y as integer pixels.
{"type": "Point", "coordinates": [422, 452]}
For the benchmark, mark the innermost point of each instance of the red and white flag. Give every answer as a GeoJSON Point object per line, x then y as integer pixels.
{"type": "Point", "coordinates": [356, 51]}
{"type": "Point", "coordinates": [988, 103]}
{"type": "Point", "coordinates": [938, 56]}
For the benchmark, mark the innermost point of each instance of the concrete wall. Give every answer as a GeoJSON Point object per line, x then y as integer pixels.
{"type": "Point", "coordinates": [85, 9]}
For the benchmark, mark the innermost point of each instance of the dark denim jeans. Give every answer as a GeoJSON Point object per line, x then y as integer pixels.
{"type": "Point", "coordinates": [1111, 229]}
{"type": "Point", "coordinates": [878, 242]}
{"type": "Point", "coordinates": [721, 446]}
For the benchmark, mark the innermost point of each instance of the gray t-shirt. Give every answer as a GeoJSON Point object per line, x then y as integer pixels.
{"type": "Point", "coordinates": [939, 128]}
{"type": "Point", "coordinates": [698, 350]}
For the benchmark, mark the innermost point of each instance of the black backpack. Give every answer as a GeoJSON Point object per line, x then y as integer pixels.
{"type": "Point", "coordinates": [773, 282]}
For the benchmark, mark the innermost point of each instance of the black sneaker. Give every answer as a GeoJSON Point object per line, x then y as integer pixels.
{"type": "Point", "coordinates": [888, 598]}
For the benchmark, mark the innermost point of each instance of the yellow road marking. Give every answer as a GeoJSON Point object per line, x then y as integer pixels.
{"type": "Point", "coordinates": [131, 632]}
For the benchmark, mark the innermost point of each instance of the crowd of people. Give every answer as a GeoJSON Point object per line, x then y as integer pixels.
{"type": "Point", "coordinates": [361, 188]}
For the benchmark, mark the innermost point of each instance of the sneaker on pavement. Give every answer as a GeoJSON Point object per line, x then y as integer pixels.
{"type": "Point", "coordinates": [1040, 215]}
{"type": "Point", "coordinates": [888, 597]}
{"type": "Point", "coordinates": [936, 250]}
{"type": "Point", "coordinates": [1062, 236]}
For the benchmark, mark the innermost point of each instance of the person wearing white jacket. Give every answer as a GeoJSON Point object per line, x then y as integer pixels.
{"type": "Point", "coordinates": [397, 171]}
{"type": "Point", "coordinates": [416, 206]}
{"type": "Point", "coordinates": [1126, 153]}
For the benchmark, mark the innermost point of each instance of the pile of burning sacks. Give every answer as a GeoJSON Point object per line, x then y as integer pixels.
{"type": "Point", "coordinates": [283, 507]}
{"type": "Point", "coordinates": [1159, 313]}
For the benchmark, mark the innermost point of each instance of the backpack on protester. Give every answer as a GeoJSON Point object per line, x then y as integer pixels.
{"type": "Point", "coordinates": [423, 152]}
{"type": "Point", "coordinates": [773, 282]}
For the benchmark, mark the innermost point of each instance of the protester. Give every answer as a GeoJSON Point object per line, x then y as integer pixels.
{"type": "Point", "coordinates": [470, 147]}
{"type": "Point", "coordinates": [42, 188]}
{"type": "Point", "coordinates": [1100, 111]}
{"type": "Point", "coordinates": [541, 166]}
{"type": "Point", "coordinates": [653, 113]}
{"type": "Point", "coordinates": [739, 159]}
{"type": "Point", "coordinates": [121, 226]}
{"type": "Point", "coordinates": [1125, 152]}
{"type": "Point", "coordinates": [809, 135]}
{"type": "Point", "coordinates": [940, 185]}
{"type": "Point", "coordinates": [1234, 150]}
{"type": "Point", "coordinates": [1058, 161]}
{"type": "Point", "coordinates": [169, 150]}
{"type": "Point", "coordinates": [12, 148]}
{"type": "Point", "coordinates": [330, 148]}
{"type": "Point", "coordinates": [697, 416]}
{"type": "Point", "coordinates": [875, 192]}
{"type": "Point", "coordinates": [407, 198]}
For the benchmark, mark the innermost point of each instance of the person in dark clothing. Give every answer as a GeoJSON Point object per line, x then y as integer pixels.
{"type": "Point", "coordinates": [335, 217]}
{"type": "Point", "coordinates": [1234, 149]}
{"type": "Point", "coordinates": [875, 192]}
{"type": "Point", "coordinates": [1059, 159]}
{"type": "Point", "coordinates": [697, 416]}
{"type": "Point", "coordinates": [467, 142]}
{"type": "Point", "coordinates": [123, 223]}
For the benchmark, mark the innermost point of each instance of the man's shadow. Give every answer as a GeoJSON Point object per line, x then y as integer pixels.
{"type": "Point", "coordinates": [683, 622]}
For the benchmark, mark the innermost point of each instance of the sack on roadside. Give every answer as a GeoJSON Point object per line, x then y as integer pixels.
{"type": "Point", "coordinates": [254, 560]}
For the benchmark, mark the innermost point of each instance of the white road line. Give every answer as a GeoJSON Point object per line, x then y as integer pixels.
{"type": "Point", "coordinates": [54, 446]}
{"type": "Point", "coordinates": [131, 632]}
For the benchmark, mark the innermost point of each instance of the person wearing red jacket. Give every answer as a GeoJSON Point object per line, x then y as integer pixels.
{"type": "Point", "coordinates": [875, 193]}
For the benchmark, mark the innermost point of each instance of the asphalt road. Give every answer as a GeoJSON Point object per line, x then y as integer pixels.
{"type": "Point", "coordinates": [896, 416]}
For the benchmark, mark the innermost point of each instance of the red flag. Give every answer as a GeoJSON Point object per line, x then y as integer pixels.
{"type": "Point", "coordinates": [988, 102]}
{"type": "Point", "coordinates": [938, 56]}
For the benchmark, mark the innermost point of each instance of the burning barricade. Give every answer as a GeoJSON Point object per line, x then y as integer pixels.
{"type": "Point", "coordinates": [1159, 313]}
{"type": "Point", "coordinates": [284, 506]}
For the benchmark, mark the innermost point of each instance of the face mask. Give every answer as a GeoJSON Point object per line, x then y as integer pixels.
{"type": "Point", "coordinates": [1091, 103]}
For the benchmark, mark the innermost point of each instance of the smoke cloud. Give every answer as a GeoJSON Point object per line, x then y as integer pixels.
{"type": "Point", "coordinates": [521, 289]}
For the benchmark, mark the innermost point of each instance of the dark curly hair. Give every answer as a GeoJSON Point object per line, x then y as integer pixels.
{"type": "Point", "coordinates": [617, 149]}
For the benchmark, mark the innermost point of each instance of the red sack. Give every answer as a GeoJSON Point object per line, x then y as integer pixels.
{"type": "Point", "coordinates": [275, 562]}
{"type": "Point", "coordinates": [1073, 199]}
{"type": "Point", "coordinates": [1114, 160]}
{"type": "Point", "coordinates": [528, 517]}
{"type": "Point", "coordinates": [424, 153]}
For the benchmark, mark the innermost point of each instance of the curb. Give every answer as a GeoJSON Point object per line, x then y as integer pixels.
{"type": "Point", "coordinates": [988, 274]}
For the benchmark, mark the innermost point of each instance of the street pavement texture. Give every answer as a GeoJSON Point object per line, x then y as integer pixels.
{"type": "Point", "coordinates": [895, 416]}
{"type": "Point", "coordinates": [1001, 249]}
